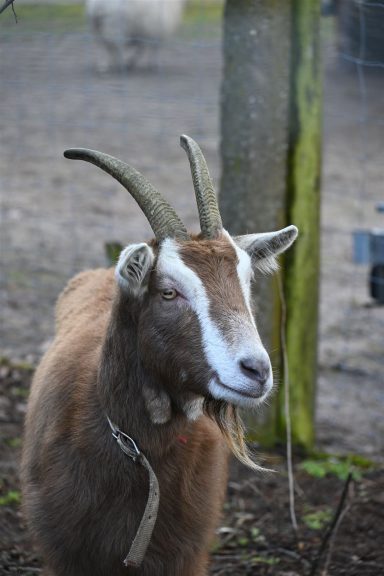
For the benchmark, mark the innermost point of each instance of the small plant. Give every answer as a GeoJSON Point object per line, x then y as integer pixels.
{"type": "Point", "coordinates": [20, 392]}
{"type": "Point", "coordinates": [257, 536]}
{"type": "Point", "coordinates": [319, 519]}
{"type": "Point", "coordinates": [13, 442]}
{"type": "Point", "coordinates": [11, 497]}
{"type": "Point", "coordinates": [336, 466]}
{"type": "Point", "coordinates": [269, 560]}
{"type": "Point", "coordinates": [243, 541]}
{"type": "Point", "coordinates": [112, 252]}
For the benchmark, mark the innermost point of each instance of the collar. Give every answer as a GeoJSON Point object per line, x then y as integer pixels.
{"type": "Point", "coordinates": [144, 532]}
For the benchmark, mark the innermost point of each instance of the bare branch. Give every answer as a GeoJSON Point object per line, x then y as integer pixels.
{"type": "Point", "coordinates": [6, 4]}
{"type": "Point", "coordinates": [332, 539]}
{"type": "Point", "coordinates": [339, 515]}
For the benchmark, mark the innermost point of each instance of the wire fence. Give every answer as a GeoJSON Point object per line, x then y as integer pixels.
{"type": "Point", "coordinates": [56, 216]}
{"type": "Point", "coordinates": [352, 326]}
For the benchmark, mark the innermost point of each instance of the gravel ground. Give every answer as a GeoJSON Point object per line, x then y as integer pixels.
{"type": "Point", "coordinates": [255, 535]}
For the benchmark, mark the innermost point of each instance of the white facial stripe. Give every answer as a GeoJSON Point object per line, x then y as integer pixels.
{"type": "Point", "coordinates": [244, 272]}
{"type": "Point", "coordinates": [221, 358]}
{"type": "Point", "coordinates": [215, 348]}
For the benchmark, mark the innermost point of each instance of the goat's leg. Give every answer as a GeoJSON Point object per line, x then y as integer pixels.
{"type": "Point", "coordinates": [134, 51]}
{"type": "Point", "coordinates": [114, 47]}
{"type": "Point", "coordinates": [144, 55]}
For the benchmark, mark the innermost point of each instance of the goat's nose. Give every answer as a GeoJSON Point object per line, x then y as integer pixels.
{"type": "Point", "coordinates": [256, 369]}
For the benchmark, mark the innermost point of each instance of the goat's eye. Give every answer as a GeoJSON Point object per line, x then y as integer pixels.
{"type": "Point", "coordinates": [169, 294]}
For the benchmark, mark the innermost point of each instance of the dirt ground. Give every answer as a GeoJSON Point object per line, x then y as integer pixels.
{"type": "Point", "coordinates": [255, 536]}
{"type": "Point", "coordinates": [57, 216]}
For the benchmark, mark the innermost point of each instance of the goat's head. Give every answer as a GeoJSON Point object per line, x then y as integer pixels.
{"type": "Point", "coordinates": [193, 294]}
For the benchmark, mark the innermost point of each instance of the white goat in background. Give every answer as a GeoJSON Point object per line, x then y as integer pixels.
{"type": "Point", "coordinates": [128, 28]}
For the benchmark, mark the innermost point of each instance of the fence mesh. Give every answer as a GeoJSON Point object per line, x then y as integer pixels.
{"type": "Point", "coordinates": [351, 324]}
{"type": "Point", "coordinates": [57, 216]}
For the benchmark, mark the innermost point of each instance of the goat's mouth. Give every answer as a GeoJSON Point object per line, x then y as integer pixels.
{"type": "Point", "coordinates": [247, 397]}
{"type": "Point", "coordinates": [246, 394]}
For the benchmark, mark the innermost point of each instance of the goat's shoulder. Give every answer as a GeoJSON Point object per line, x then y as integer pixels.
{"type": "Point", "coordinates": [82, 314]}
{"type": "Point", "coordinates": [67, 373]}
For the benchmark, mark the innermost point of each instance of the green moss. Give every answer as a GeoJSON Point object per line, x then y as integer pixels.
{"type": "Point", "coordinates": [302, 262]}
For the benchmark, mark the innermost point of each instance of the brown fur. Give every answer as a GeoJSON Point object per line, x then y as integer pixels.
{"type": "Point", "coordinates": [215, 261]}
{"type": "Point", "coordinates": [83, 498]}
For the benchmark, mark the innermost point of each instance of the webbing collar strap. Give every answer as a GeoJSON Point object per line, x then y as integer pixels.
{"type": "Point", "coordinates": [144, 532]}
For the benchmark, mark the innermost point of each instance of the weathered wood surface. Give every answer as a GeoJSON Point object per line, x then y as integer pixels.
{"type": "Point", "coordinates": [270, 148]}
{"type": "Point", "coordinates": [301, 269]}
{"type": "Point", "coordinates": [254, 113]}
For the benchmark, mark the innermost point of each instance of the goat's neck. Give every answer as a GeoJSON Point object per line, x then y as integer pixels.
{"type": "Point", "coordinates": [127, 392]}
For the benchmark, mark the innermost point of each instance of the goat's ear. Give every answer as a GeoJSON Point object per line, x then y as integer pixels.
{"type": "Point", "coordinates": [133, 268]}
{"type": "Point", "coordinates": [263, 248]}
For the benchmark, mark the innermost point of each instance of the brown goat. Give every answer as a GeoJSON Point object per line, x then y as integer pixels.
{"type": "Point", "coordinates": [166, 347]}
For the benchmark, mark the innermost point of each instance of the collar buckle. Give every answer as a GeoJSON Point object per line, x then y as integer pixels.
{"type": "Point", "coordinates": [125, 442]}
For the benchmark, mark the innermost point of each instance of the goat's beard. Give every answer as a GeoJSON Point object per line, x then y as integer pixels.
{"type": "Point", "coordinates": [227, 417]}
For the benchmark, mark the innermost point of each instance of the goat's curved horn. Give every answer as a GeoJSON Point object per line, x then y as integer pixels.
{"type": "Point", "coordinates": [210, 219]}
{"type": "Point", "coordinates": [163, 219]}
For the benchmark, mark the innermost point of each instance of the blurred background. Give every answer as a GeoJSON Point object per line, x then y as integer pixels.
{"type": "Point", "coordinates": [68, 81]}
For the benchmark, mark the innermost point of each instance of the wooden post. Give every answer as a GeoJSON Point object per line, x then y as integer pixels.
{"type": "Point", "coordinates": [254, 115]}
{"type": "Point", "coordinates": [270, 122]}
{"type": "Point", "coordinates": [301, 266]}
